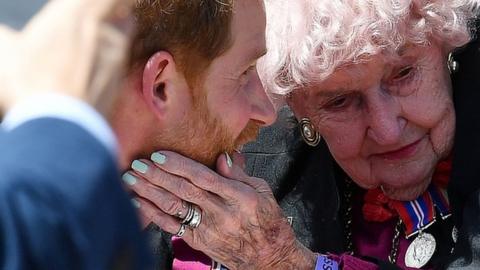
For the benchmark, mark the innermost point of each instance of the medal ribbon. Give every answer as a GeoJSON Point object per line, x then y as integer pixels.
{"type": "Point", "coordinates": [417, 214]}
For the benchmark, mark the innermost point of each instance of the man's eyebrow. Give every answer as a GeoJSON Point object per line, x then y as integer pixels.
{"type": "Point", "coordinates": [262, 53]}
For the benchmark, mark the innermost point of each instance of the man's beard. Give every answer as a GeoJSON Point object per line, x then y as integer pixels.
{"type": "Point", "coordinates": [203, 137]}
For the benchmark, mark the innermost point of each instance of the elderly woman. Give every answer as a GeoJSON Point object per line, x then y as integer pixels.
{"type": "Point", "coordinates": [373, 79]}
{"type": "Point", "coordinates": [370, 84]}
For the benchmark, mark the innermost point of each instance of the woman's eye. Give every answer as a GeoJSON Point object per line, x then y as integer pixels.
{"type": "Point", "coordinates": [403, 73]}
{"type": "Point", "coordinates": [338, 103]}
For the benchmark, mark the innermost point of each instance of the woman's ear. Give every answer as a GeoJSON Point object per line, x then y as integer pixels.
{"type": "Point", "coordinates": [159, 80]}
{"type": "Point", "coordinates": [296, 103]}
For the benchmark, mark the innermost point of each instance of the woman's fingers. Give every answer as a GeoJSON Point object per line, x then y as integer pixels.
{"type": "Point", "coordinates": [236, 172]}
{"type": "Point", "coordinates": [144, 220]}
{"type": "Point", "coordinates": [164, 200]}
{"type": "Point", "coordinates": [150, 212]}
{"type": "Point", "coordinates": [252, 221]}
{"type": "Point", "coordinates": [198, 174]}
{"type": "Point", "coordinates": [178, 186]}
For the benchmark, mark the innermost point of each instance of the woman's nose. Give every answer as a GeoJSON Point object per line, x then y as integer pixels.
{"type": "Point", "coordinates": [385, 122]}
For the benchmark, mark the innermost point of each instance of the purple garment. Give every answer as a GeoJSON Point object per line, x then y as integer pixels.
{"type": "Point", "coordinates": [374, 239]}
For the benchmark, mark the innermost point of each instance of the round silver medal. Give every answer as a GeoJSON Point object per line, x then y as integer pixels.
{"type": "Point", "coordinates": [420, 251]}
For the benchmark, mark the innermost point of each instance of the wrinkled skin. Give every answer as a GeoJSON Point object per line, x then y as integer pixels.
{"type": "Point", "coordinates": [242, 226]}
{"type": "Point", "coordinates": [387, 121]}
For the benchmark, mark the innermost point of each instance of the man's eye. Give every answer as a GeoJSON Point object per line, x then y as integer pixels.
{"type": "Point", "coordinates": [247, 71]}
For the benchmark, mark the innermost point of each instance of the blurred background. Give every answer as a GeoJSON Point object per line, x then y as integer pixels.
{"type": "Point", "coordinates": [16, 13]}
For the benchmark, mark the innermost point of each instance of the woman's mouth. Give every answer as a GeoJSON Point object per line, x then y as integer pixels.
{"type": "Point", "coordinates": [403, 152]}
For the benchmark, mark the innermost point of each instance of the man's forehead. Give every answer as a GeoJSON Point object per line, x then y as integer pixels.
{"type": "Point", "coordinates": [248, 28]}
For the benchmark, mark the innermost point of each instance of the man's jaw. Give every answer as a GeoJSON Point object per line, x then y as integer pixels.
{"type": "Point", "coordinates": [249, 134]}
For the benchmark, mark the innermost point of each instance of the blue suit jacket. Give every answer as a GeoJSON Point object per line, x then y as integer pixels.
{"type": "Point", "coordinates": [61, 202]}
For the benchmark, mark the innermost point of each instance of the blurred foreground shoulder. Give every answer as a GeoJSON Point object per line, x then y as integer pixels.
{"type": "Point", "coordinates": [61, 202]}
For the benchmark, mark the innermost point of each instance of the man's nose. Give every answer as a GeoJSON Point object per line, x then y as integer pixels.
{"type": "Point", "coordinates": [385, 122]}
{"type": "Point", "coordinates": [263, 111]}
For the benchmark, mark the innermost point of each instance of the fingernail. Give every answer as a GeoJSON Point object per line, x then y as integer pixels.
{"type": "Point", "coordinates": [158, 158]}
{"type": "Point", "coordinates": [129, 179]}
{"type": "Point", "coordinates": [229, 160]}
{"type": "Point", "coordinates": [139, 166]}
{"type": "Point", "coordinates": [135, 203]}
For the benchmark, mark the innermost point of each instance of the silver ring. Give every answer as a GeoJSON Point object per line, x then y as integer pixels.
{"type": "Point", "coordinates": [196, 218]}
{"type": "Point", "coordinates": [189, 215]}
{"type": "Point", "coordinates": [181, 231]}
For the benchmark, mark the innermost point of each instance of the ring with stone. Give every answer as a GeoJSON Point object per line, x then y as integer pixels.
{"type": "Point", "coordinates": [181, 231]}
{"type": "Point", "coordinates": [196, 218]}
{"type": "Point", "coordinates": [181, 212]}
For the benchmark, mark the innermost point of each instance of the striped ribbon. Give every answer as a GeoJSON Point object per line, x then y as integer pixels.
{"type": "Point", "coordinates": [419, 214]}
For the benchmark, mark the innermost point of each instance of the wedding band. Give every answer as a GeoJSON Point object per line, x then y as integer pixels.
{"type": "Point", "coordinates": [189, 215]}
{"type": "Point", "coordinates": [196, 218]}
{"type": "Point", "coordinates": [181, 231]}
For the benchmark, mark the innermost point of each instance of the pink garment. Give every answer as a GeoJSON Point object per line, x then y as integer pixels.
{"type": "Point", "coordinates": [186, 258]}
{"type": "Point", "coordinates": [348, 262]}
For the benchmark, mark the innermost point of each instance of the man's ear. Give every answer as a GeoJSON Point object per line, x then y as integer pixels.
{"type": "Point", "coordinates": [160, 79]}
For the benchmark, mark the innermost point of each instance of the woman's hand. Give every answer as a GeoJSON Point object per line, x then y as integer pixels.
{"type": "Point", "coordinates": [242, 226]}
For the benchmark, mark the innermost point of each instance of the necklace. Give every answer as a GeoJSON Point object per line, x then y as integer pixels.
{"type": "Point", "coordinates": [392, 257]}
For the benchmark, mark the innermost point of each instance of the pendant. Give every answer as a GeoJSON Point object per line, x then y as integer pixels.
{"type": "Point", "coordinates": [455, 234]}
{"type": "Point", "coordinates": [420, 250]}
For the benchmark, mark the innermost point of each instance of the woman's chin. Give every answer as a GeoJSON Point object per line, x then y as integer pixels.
{"type": "Point", "coordinates": [405, 193]}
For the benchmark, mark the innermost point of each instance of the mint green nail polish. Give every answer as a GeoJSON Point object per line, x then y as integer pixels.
{"type": "Point", "coordinates": [129, 179]}
{"type": "Point", "coordinates": [135, 203]}
{"type": "Point", "coordinates": [139, 166]}
{"type": "Point", "coordinates": [229, 160]}
{"type": "Point", "coordinates": [158, 158]}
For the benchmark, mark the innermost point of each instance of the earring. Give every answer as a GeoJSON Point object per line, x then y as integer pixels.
{"type": "Point", "coordinates": [452, 64]}
{"type": "Point", "coordinates": [310, 136]}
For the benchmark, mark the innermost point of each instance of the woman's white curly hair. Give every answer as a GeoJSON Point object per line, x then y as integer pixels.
{"type": "Point", "coordinates": [308, 39]}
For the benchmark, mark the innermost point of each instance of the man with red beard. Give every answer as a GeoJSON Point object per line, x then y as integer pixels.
{"type": "Point", "coordinates": [193, 88]}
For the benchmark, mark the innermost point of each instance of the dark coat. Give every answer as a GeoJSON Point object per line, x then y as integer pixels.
{"type": "Point", "coordinates": [464, 187]}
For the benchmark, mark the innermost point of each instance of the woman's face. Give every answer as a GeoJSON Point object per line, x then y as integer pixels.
{"type": "Point", "coordinates": [387, 121]}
